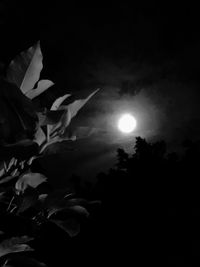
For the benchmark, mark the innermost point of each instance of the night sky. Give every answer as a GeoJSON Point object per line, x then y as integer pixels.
{"type": "Point", "coordinates": [145, 59]}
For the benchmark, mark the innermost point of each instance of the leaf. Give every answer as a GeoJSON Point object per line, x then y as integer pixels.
{"type": "Point", "coordinates": [42, 197]}
{"type": "Point", "coordinates": [8, 178]}
{"type": "Point", "coordinates": [14, 245]}
{"type": "Point", "coordinates": [50, 117]}
{"type": "Point", "coordinates": [76, 134]}
{"type": "Point", "coordinates": [80, 210]}
{"type": "Point", "coordinates": [23, 261]}
{"type": "Point", "coordinates": [6, 264]}
{"type": "Point", "coordinates": [66, 205]}
{"type": "Point", "coordinates": [54, 107]}
{"type": "Point", "coordinates": [40, 136]}
{"type": "Point", "coordinates": [15, 172]}
{"type": "Point", "coordinates": [29, 179]}
{"type": "Point", "coordinates": [4, 166]}
{"type": "Point", "coordinates": [22, 164]}
{"type": "Point", "coordinates": [65, 120]}
{"type": "Point", "coordinates": [24, 70]}
{"type": "Point", "coordinates": [71, 111]}
{"type": "Point", "coordinates": [42, 86]}
{"type": "Point", "coordinates": [27, 200]}
{"type": "Point", "coordinates": [71, 226]}
{"type": "Point", "coordinates": [58, 130]}
{"type": "Point", "coordinates": [2, 171]}
{"type": "Point", "coordinates": [56, 139]}
{"type": "Point", "coordinates": [11, 163]}
{"type": "Point", "coordinates": [66, 212]}
{"type": "Point", "coordinates": [57, 200]}
{"type": "Point", "coordinates": [56, 197]}
{"type": "Point", "coordinates": [30, 161]}
{"type": "Point", "coordinates": [59, 101]}
{"type": "Point", "coordinates": [78, 104]}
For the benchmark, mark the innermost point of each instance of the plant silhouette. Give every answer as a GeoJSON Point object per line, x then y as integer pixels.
{"type": "Point", "coordinates": [150, 197]}
{"type": "Point", "coordinates": [30, 208]}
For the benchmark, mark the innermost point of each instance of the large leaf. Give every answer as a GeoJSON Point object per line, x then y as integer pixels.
{"type": "Point", "coordinates": [42, 86]}
{"type": "Point", "coordinates": [71, 111]}
{"type": "Point", "coordinates": [14, 245]}
{"type": "Point", "coordinates": [63, 201]}
{"type": "Point", "coordinates": [71, 226]}
{"type": "Point", "coordinates": [78, 104]}
{"type": "Point", "coordinates": [66, 212]}
{"type": "Point", "coordinates": [24, 70]}
{"type": "Point", "coordinates": [29, 180]}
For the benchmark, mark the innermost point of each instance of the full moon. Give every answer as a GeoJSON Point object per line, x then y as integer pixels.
{"type": "Point", "coordinates": [127, 123]}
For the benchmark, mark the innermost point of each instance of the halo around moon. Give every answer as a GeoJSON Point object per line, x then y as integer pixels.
{"type": "Point", "coordinates": [127, 123]}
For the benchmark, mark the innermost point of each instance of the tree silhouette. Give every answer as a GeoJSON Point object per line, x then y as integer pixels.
{"type": "Point", "coordinates": [147, 193]}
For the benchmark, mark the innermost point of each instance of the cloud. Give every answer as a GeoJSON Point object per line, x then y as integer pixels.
{"type": "Point", "coordinates": [162, 96]}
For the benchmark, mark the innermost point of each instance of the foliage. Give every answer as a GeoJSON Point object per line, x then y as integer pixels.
{"type": "Point", "coordinates": [18, 88]}
{"type": "Point", "coordinates": [36, 206]}
{"type": "Point", "coordinates": [14, 245]}
{"type": "Point", "coordinates": [25, 133]}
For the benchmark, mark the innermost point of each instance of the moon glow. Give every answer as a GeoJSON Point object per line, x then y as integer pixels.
{"type": "Point", "coordinates": [127, 123]}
